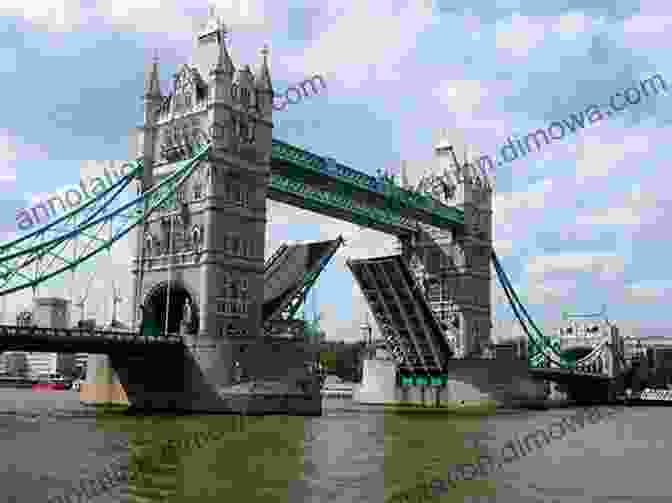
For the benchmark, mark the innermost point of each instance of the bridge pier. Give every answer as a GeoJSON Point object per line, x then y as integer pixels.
{"type": "Point", "coordinates": [102, 385]}
{"type": "Point", "coordinates": [198, 378]}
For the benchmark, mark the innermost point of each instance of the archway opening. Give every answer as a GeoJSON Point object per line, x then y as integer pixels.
{"type": "Point", "coordinates": [169, 302]}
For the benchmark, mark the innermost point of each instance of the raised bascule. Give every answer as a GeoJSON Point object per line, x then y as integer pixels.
{"type": "Point", "coordinates": [210, 311]}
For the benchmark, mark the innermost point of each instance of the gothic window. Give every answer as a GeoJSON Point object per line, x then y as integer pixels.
{"type": "Point", "coordinates": [243, 130]}
{"type": "Point", "coordinates": [166, 231]}
{"type": "Point", "coordinates": [24, 319]}
{"type": "Point", "coordinates": [445, 291]}
{"type": "Point", "coordinates": [148, 245]}
{"type": "Point", "coordinates": [198, 191]}
{"type": "Point", "coordinates": [201, 92]}
{"type": "Point", "coordinates": [245, 96]}
{"type": "Point", "coordinates": [197, 237]}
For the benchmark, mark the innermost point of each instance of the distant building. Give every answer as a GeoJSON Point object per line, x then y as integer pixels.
{"type": "Point", "coordinates": [14, 363]}
{"type": "Point", "coordinates": [48, 312]}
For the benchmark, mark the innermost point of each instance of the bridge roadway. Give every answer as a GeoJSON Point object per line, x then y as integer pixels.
{"type": "Point", "coordinates": [82, 340]}
{"type": "Point", "coordinates": [558, 374]}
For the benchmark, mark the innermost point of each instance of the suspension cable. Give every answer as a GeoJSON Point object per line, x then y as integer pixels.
{"type": "Point", "coordinates": [505, 279]}
{"type": "Point", "coordinates": [532, 339]}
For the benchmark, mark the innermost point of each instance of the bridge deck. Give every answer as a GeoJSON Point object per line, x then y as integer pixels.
{"type": "Point", "coordinates": [80, 340]}
{"type": "Point", "coordinates": [290, 270]}
{"type": "Point", "coordinates": [405, 319]}
{"type": "Point", "coordinates": [563, 374]}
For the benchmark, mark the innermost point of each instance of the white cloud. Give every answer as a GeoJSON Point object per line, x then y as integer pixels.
{"type": "Point", "coordinates": [604, 265]}
{"type": "Point", "coordinates": [55, 15]}
{"type": "Point", "coordinates": [340, 54]}
{"type": "Point", "coordinates": [518, 35]}
{"type": "Point", "coordinates": [460, 95]}
{"type": "Point", "coordinates": [150, 16]}
{"type": "Point", "coordinates": [650, 291]}
{"type": "Point", "coordinates": [572, 24]}
{"type": "Point", "coordinates": [610, 216]}
{"type": "Point", "coordinates": [599, 158]}
{"type": "Point", "coordinates": [12, 149]}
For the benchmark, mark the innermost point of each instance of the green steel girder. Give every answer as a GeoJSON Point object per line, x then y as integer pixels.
{"type": "Point", "coordinates": [54, 248]}
{"type": "Point", "coordinates": [302, 162]}
{"type": "Point", "coordinates": [319, 199]}
{"type": "Point", "coordinates": [63, 251]}
{"type": "Point", "coordinates": [57, 227]}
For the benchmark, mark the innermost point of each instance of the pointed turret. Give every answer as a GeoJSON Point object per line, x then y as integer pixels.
{"type": "Point", "coordinates": [152, 83]}
{"type": "Point", "coordinates": [224, 64]}
{"type": "Point", "coordinates": [262, 79]}
{"type": "Point", "coordinates": [403, 176]}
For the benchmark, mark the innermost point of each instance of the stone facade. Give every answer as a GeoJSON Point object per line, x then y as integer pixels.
{"type": "Point", "coordinates": [210, 247]}
{"type": "Point", "coordinates": [453, 265]}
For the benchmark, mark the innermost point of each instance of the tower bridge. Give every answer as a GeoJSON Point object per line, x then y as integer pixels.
{"type": "Point", "coordinates": [200, 281]}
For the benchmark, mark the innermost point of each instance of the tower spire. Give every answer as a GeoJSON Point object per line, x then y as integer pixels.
{"type": "Point", "coordinates": [263, 76]}
{"type": "Point", "coordinates": [152, 84]}
{"type": "Point", "coordinates": [224, 62]}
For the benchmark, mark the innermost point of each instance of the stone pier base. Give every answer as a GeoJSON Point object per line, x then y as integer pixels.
{"type": "Point", "coordinates": [198, 378]}
{"type": "Point", "coordinates": [505, 382]}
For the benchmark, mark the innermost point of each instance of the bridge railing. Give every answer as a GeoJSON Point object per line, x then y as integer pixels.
{"type": "Point", "coordinates": [120, 335]}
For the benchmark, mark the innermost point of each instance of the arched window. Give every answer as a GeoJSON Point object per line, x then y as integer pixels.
{"type": "Point", "coordinates": [243, 289]}
{"type": "Point", "coordinates": [197, 237]}
{"type": "Point", "coordinates": [24, 319]}
{"type": "Point", "coordinates": [235, 245]}
{"type": "Point", "coordinates": [198, 191]}
{"type": "Point", "coordinates": [148, 245]}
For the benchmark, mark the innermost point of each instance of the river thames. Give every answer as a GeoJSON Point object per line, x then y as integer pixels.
{"type": "Point", "coordinates": [51, 445]}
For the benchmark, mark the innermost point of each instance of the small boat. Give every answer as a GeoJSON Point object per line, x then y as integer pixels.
{"type": "Point", "coordinates": [334, 387]}
{"type": "Point", "coordinates": [51, 382]}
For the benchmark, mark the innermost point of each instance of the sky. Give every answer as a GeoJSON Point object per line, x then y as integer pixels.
{"type": "Point", "coordinates": [579, 224]}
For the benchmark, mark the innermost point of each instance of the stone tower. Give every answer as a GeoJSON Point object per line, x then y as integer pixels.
{"type": "Point", "coordinates": [199, 263]}
{"type": "Point", "coordinates": [453, 265]}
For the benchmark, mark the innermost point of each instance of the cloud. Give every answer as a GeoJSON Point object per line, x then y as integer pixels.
{"type": "Point", "coordinates": [148, 16]}
{"type": "Point", "coordinates": [572, 24]}
{"type": "Point", "coordinates": [12, 149]}
{"type": "Point", "coordinates": [518, 35]}
{"type": "Point", "coordinates": [597, 157]}
{"type": "Point", "coordinates": [646, 292]}
{"type": "Point", "coordinates": [603, 265]}
{"type": "Point", "coordinates": [339, 54]}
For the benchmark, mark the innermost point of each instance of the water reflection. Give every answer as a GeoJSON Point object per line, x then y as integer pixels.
{"type": "Point", "coordinates": [200, 458]}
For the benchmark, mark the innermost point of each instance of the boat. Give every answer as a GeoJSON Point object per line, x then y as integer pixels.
{"type": "Point", "coordinates": [649, 396]}
{"type": "Point", "coordinates": [51, 382]}
{"type": "Point", "coordinates": [334, 387]}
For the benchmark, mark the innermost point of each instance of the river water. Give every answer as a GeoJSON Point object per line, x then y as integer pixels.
{"type": "Point", "coordinates": [50, 445]}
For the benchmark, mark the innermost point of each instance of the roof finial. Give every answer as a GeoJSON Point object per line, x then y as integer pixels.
{"type": "Point", "coordinates": [222, 31]}
{"type": "Point", "coordinates": [211, 10]}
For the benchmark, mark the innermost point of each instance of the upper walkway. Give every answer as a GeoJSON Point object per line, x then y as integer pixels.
{"type": "Point", "coordinates": [317, 183]}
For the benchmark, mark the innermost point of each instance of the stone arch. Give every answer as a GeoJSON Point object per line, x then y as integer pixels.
{"type": "Point", "coordinates": [154, 303]}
